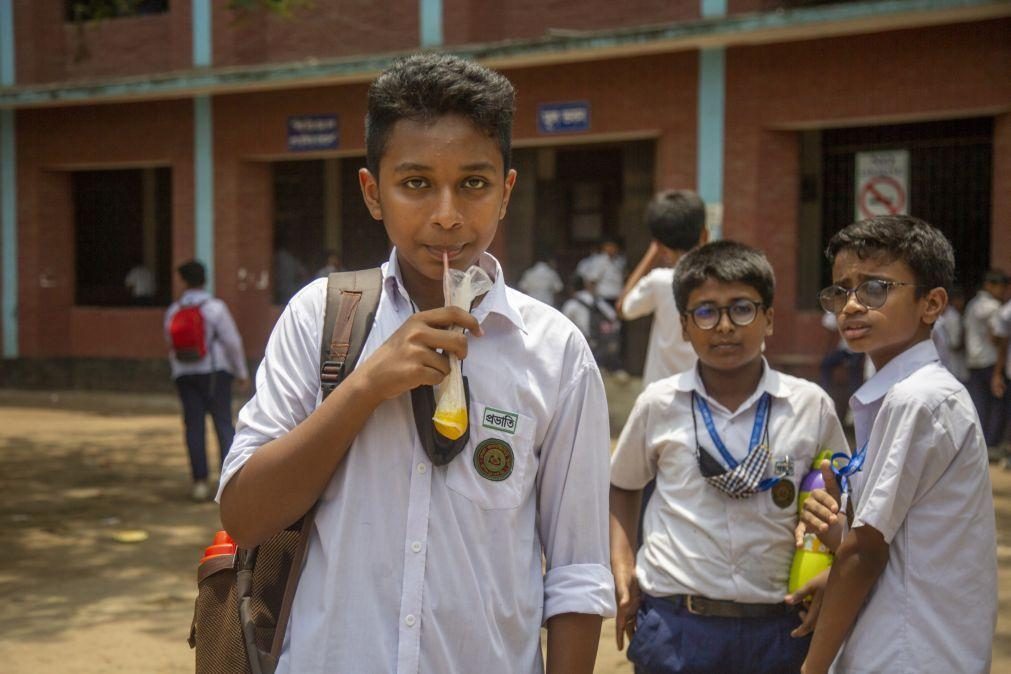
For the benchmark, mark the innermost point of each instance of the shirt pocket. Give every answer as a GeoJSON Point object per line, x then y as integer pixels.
{"type": "Point", "coordinates": [496, 468]}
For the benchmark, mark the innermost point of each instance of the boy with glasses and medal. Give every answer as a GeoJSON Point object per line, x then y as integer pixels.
{"type": "Point", "coordinates": [727, 442]}
{"type": "Point", "coordinates": [914, 584]}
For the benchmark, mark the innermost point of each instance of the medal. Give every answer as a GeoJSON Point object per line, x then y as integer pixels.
{"type": "Point", "coordinates": [783, 493]}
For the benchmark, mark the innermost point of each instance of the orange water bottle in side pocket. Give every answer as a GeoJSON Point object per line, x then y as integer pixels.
{"type": "Point", "coordinates": [813, 557]}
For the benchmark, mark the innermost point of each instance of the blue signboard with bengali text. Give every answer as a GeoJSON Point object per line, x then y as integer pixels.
{"type": "Point", "coordinates": [569, 117]}
{"type": "Point", "coordinates": [313, 132]}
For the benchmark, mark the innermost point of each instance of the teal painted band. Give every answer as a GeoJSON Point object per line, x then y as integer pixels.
{"type": "Point", "coordinates": [202, 35]}
{"type": "Point", "coordinates": [7, 75]}
{"type": "Point", "coordinates": [203, 154]}
{"type": "Point", "coordinates": [9, 236]}
{"type": "Point", "coordinates": [431, 22]}
{"type": "Point", "coordinates": [712, 88]}
{"type": "Point", "coordinates": [714, 8]}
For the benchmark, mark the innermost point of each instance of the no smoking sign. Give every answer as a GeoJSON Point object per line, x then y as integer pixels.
{"type": "Point", "coordinates": [882, 183]}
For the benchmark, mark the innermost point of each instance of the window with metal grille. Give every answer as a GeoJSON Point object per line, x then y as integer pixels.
{"type": "Point", "coordinates": [949, 186]}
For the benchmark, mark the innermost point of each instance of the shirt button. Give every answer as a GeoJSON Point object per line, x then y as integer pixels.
{"type": "Point", "coordinates": [416, 546]}
{"type": "Point", "coordinates": [410, 620]}
{"type": "Point", "coordinates": [422, 468]}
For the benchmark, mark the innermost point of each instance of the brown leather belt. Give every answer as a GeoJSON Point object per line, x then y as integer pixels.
{"type": "Point", "coordinates": [720, 608]}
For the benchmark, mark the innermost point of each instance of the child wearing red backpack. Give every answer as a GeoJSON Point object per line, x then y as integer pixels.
{"type": "Point", "coordinates": [206, 356]}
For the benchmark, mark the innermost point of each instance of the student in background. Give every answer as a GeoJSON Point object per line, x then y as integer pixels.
{"type": "Point", "coordinates": [677, 222]}
{"type": "Point", "coordinates": [541, 282]}
{"type": "Point", "coordinates": [204, 376]}
{"type": "Point", "coordinates": [949, 336]}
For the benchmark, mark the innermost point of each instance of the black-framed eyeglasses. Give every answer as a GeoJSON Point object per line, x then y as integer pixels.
{"type": "Point", "coordinates": [741, 312]}
{"type": "Point", "coordinates": [871, 294]}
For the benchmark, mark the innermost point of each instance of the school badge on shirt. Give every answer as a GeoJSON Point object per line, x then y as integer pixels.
{"type": "Point", "coordinates": [494, 459]}
{"type": "Point", "coordinates": [783, 493]}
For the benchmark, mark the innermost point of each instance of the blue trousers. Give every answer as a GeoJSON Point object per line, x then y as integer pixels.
{"type": "Point", "coordinates": [992, 411]}
{"type": "Point", "coordinates": [670, 640]}
{"type": "Point", "coordinates": [203, 394]}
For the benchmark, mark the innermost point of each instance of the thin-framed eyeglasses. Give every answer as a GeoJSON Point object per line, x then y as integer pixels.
{"type": "Point", "coordinates": [741, 312]}
{"type": "Point", "coordinates": [871, 294]}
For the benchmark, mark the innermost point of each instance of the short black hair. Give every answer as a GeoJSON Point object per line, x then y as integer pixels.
{"type": "Point", "coordinates": [193, 273]}
{"type": "Point", "coordinates": [676, 218]}
{"type": "Point", "coordinates": [900, 237]}
{"type": "Point", "coordinates": [727, 262]}
{"type": "Point", "coordinates": [425, 87]}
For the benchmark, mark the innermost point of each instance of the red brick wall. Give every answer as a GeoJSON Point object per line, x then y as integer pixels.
{"type": "Point", "coordinates": [470, 21]}
{"type": "Point", "coordinates": [250, 132]}
{"type": "Point", "coordinates": [324, 30]}
{"type": "Point", "coordinates": [50, 144]}
{"type": "Point", "coordinates": [947, 71]}
{"type": "Point", "coordinates": [50, 49]}
{"type": "Point", "coordinates": [655, 94]}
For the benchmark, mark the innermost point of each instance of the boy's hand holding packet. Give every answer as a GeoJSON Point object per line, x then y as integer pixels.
{"type": "Point", "coordinates": [460, 288]}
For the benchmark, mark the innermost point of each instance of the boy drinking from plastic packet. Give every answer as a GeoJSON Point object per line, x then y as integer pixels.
{"type": "Point", "coordinates": [914, 584]}
{"type": "Point", "coordinates": [418, 563]}
{"type": "Point", "coordinates": [727, 442]}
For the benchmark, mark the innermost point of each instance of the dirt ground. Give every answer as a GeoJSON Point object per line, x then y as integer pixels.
{"type": "Point", "coordinates": [84, 473]}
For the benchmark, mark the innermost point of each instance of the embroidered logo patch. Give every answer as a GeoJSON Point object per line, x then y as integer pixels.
{"type": "Point", "coordinates": [494, 459]}
{"type": "Point", "coordinates": [783, 493]}
{"type": "Point", "coordinates": [498, 420]}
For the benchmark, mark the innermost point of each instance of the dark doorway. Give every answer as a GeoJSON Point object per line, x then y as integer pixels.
{"type": "Point", "coordinates": [123, 237]}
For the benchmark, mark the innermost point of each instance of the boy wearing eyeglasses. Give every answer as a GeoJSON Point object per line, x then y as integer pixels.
{"type": "Point", "coordinates": [914, 584]}
{"type": "Point", "coordinates": [727, 442]}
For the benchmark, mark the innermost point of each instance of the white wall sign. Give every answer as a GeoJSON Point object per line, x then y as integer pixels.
{"type": "Point", "coordinates": [882, 183]}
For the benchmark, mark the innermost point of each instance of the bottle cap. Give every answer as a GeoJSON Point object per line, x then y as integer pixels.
{"type": "Point", "coordinates": [222, 545]}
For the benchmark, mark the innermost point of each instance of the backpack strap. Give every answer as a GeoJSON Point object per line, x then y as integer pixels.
{"type": "Point", "coordinates": [351, 301]}
{"type": "Point", "coordinates": [352, 298]}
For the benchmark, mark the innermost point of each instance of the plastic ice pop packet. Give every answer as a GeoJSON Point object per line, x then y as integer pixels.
{"type": "Point", "coordinates": [460, 289]}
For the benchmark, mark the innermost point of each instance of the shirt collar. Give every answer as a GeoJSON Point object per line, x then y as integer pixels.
{"type": "Point", "coordinates": [772, 382]}
{"type": "Point", "coordinates": [897, 369]}
{"type": "Point", "coordinates": [496, 301]}
{"type": "Point", "coordinates": [193, 296]}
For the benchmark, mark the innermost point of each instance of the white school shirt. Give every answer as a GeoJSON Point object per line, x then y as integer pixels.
{"type": "Point", "coordinates": [224, 343]}
{"type": "Point", "coordinates": [697, 540]}
{"type": "Point", "coordinates": [668, 352]}
{"type": "Point", "coordinates": [1000, 325]}
{"type": "Point", "coordinates": [413, 567]}
{"type": "Point", "coordinates": [541, 282]}
{"type": "Point", "coordinates": [606, 272]}
{"type": "Point", "coordinates": [980, 351]}
{"type": "Point", "coordinates": [925, 486]}
{"type": "Point", "coordinates": [576, 309]}
{"type": "Point", "coordinates": [948, 339]}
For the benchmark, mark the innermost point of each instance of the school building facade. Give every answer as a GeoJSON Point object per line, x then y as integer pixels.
{"type": "Point", "coordinates": [191, 129]}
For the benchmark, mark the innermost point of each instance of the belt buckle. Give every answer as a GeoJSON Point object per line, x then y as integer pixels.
{"type": "Point", "coordinates": [691, 607]}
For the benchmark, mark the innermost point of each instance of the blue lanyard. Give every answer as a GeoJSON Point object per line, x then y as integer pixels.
{"type": "Point", "coordinates": [761, 415]}
{"type": "Point", "coordinates": [856, 462]}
